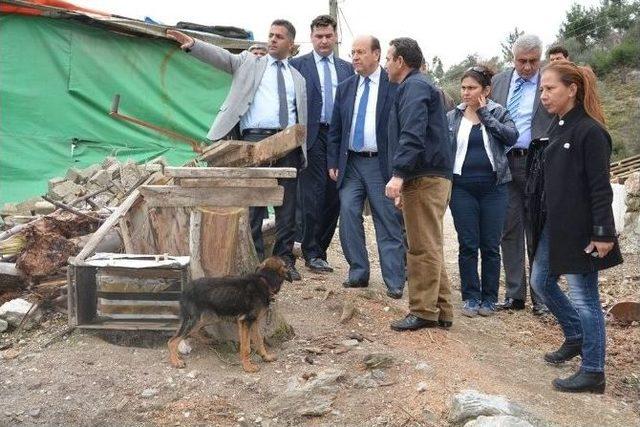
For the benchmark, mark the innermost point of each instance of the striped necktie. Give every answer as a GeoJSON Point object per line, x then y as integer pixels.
{"type": "Point", "coordinates": [516, 96]}
{"type": "Point", "coordinates": [327, 86]}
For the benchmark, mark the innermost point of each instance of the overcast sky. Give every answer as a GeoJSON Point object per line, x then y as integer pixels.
{"type": "Point", "coordinates": [451, 29]}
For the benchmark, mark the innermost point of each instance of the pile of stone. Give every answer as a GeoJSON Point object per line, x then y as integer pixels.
{"type": "Point", "coordinates": [630, 241]}
{"type": "Point", "coordinates": [91, 188]}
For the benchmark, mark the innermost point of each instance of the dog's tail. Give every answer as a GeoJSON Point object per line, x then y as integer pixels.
{"type": "Point", "coordinates": [189, 317]}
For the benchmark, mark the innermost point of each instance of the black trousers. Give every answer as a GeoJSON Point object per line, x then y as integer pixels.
{"type": "Point", "coordinates": [320, 204]}
{"type": "Point", "coordinates": [285, 214]}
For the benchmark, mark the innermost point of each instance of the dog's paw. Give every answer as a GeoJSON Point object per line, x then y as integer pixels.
{"type": "Point", "coordinates": [177, 363]}
{"type": "Point", "coordinates": [250, 367]}
{"type": "Point", "coordinates": [268, 357]}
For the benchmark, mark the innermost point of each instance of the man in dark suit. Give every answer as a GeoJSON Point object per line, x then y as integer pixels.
{"type": "Point", "coordinates": [318, 194]}
{"type": "Point", "coordinates": [357, 161]}
{"type": "Point", "coordinates": [518, 89]}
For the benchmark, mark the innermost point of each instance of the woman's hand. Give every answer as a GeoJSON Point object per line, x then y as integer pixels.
{"type": "Point", "coordinates": [482, 101]}
{"type": "Point", "coordinates": [600, 248]}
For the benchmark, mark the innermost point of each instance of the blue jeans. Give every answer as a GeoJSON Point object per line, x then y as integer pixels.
{"type": "Point", "coordinates": [580, 315]}
{"type": "Point", "coordinates": [479, 208]}
{"type": "Point", "coordinates": [363, 180]}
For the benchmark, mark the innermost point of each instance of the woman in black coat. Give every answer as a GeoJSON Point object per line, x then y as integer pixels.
{"type": "Point", "coordinates": [578, 237]}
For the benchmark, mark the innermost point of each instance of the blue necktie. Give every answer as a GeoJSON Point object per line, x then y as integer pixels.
{"type": "Point", "coordinates": [283, 110]}
{"type": "Point", "coordinates": [358, 132]}
{"type": "Point", "coordinates": [327, 91]}
{"type": "Point", "coordinates": [516, 96]}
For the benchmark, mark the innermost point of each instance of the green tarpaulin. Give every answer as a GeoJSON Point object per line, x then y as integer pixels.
{"type": "Point", "coordinates": [57, 82]}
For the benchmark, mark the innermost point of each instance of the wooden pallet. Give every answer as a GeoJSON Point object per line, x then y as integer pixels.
{"type": "Point", "coordinates": [619, 171]}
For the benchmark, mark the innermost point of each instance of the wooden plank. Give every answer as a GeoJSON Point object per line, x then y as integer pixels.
{"type": "Point", "coordinates": [111, 221]}
{"type": "Point", "coordinates": [219, 148]}
{"type": "Point", "coordinates": [227, 182]}
{"type": "Point", "coordinates": [259, 153]}
{"type": "Point", "coordinates": [171, 195]}
{"type": "Point", "coordinates": [140, 325]}
{"type": "Point", "coordinates": [252, 173]}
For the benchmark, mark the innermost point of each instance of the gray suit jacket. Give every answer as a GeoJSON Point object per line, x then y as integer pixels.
{"type": "Point", "coordinates": [499, 93]}
{"type": "Point", "coordinates": [247, 71]}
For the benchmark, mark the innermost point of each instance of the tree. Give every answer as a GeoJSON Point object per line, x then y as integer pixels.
{"type": "Point", "coordinates": [437, 70]}
{"type": "Point", "coordinates": [507, 47]}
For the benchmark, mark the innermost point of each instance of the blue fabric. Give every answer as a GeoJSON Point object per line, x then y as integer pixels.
{"type": "Point", "coordinates": [358, 133]}
{"type": "Point", "coordinates": [521, 105]}
{"type": "Point", "coordinates": [479, 208]}
{"type": "Point", "coordinates": [516, 96]}
{"type": "Point", "coordinates": [363, 180]}
{"type": "Point", "coordinates": [328, 91]}
{"type": "Point", "coordinates": [476, 162]}
{"type": "Point", "coordinates": [579, 315]}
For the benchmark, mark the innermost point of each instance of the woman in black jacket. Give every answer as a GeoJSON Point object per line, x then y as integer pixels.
{"type": "Point", "coordinates": [480, 131]}
{"type": "Point", "coordinates": [578, 237]}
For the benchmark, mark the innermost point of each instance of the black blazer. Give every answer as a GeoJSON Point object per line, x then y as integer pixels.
{"type": "Point", "coordinates": [343, 110]}
{"type": "Point", "coordinates": [578, 194]}
{"type": "Point", "coordinates": [306, 65]}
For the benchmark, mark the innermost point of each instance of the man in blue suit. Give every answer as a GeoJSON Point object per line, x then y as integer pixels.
{"type": "Point", "coordinates": [318, 194]}
{"type": "Point", "coordinates": [357, 161]}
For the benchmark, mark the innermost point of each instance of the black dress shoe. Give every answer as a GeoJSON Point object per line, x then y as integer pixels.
{"type": "Point", "coordinates": [319, 265]}
{"type": "Point", "coordinates": [567, 351]}
{"type": "Point", "coordinates": [446, 324]}
{"type": "Point", "coordinates": [511, 304]}
{"type": "Point", "coordinates": [412, 323]}
{"type": "Point", "coordinates": [582, 382]}
{"type": "Point", "coordinates": [539, 309]}
{"type": "Point", "coordinates": [394, 294]}
{"type": "Point", "coordinates": [295, 274]}
{"type": "Point", "coordinates": [348, 284]}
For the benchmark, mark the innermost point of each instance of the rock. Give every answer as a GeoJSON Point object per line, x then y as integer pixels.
{"type": "Point", "coordinates": [421, 387]}
{"type": "Point", "coordinates": [193, 374]}
{"type": "Point", "coordinates": [35, 412]}
{"type": "Point", "coordinates": [88, 172]}
{"type": "Point", "coordinates": [54, 182]}
{"type": "Point", "coordinates": [43, 208]}
{"type": "Point", "coordinates": [424, 367]}
{"type": "Point", "coordinates": [101, 178]}
{"type": "Point", "coordinates": [633, 204]}
{"type": "Point", "coordinates": [498, 421]}
{"type": "Point", "coordinates": [312, 398]}
{"type": "Point", "coordinates": [378, 360]}
{"type": "Point", "coordinates": [28, 206]}
{"type": "Point", "coordinates": [633, 76]}
{"type": "Point", "coordinates": [472, 404]}
{"type": "Point", "coordinates": [632, 185]}
{"type": "Point", "coordinates": [365, 381]}
{"type": "Point", "coordinates": [65, 190]}
{"type": "Point", "coordinates": [184, 347]}
{"type": "Point", "coordinates": [149, 392]}
{"type": "Point", "coordinates": [348, 311]}
{"type": "Point", "coordinates": [108, 162]}
{"type": "Point", "coordinates": [4, 325]}
{"type": "Point", "coordinates": [630, 241]}
{"type": "Point", "coordinates": [350, 343]}
{"type": "Point", "coordinates": [14, 311]}
{"type": "Point", "coordinates": [74, 175]}
{"type": "Point", "coordinates": [9, 209]}
{"type": "Point", "coordinates": [129, 174]}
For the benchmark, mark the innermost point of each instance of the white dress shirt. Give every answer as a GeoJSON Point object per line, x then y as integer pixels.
{"type": "Point", "coordinates": [334, 79]}
{"type": "Point", "coordinates": [370, 142]}
{"type": "Point", "coordinates": [264, 109]}
{"type": "Point", "coordinates": [463, 143]}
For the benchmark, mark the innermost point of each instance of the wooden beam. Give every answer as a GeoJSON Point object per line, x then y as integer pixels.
{"type": "Point", "coordinates": [111, 221]}
{"type": "Point", "coordinates": [227, 182]}
{"type": "Point", "coordinates": [171, 195]}
{"type": "Point", "coordinates": [242, 153]}
{"type": "Point", "coordinates": [250, 173]}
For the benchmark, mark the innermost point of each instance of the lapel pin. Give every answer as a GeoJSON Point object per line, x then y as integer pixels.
{"type": "Point", "coordinates": [567, 145]}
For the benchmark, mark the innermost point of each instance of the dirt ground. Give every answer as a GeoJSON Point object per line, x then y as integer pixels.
{"type": "Point", "coordinates": [55, 377]}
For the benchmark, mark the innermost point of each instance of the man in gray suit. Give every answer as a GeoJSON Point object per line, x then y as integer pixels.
{"type": "Point", "coordinates": [518, 89]}
{"type": "Point", "coordinates": [266, 96]}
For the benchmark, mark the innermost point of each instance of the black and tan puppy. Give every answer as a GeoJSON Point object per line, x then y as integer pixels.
{"type": "Point", "coordinates": [246, 298]}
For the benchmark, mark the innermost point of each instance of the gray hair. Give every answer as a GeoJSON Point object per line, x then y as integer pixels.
{"type": "Point", "coordinates": [527, 43]}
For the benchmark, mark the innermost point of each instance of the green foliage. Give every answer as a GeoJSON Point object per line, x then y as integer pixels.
{"type": "Point", "coordinates": [507, 47]}
{"type": "Point", "coordinates": [620, 98]}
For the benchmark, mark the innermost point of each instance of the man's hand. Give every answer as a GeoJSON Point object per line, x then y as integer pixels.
{"type": "Point", "coordinates": [333, 174]}
{"type": "Point", "coordinates": [600, 248]}
{"type": "Point", "coordinates": [186, 42]}
{"type": "Point", "coordinates": [394, 188]}
{"type": "Point", "coordinates": [398, 202]}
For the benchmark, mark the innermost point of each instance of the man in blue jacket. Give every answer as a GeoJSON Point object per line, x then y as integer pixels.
{"type": "Point", "coordinates": [318, 194]}
{"type": "Point", "coordinates": [357, 160]}
{"type": "Point", "coordinates": [421, 168]}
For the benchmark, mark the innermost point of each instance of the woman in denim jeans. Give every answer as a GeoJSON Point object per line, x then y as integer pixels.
{"type": "Point", "coordinates": [578, 237]}
{"type": "Point", "coordinates": [480, 130]}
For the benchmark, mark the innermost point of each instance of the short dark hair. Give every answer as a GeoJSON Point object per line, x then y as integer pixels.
{"type": "Point", "coordinates": [324, 21]}
{"type": "Point", "coordinates": [558, 49]}
{"type": "Point", "coordinates": [481, 73]}
{"type": "Point", "coordinates": [288, 25]}
{"type": "Point", "coordinates": [409, 49]}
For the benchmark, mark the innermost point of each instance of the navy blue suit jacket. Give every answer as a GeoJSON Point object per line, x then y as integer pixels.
{"type": "Point", "coordinates": [306, 65]}
{"type": "Point", "coordinates": [343, 111]}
